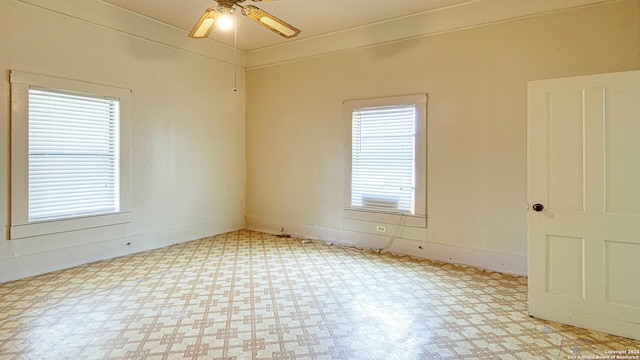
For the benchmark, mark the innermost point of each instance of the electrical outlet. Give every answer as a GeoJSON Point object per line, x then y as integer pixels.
{"type": "Point", "coordinates": [381, 228]}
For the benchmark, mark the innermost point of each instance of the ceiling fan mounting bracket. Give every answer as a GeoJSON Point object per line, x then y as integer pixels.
{"type": "Point", "coordinates": [228, 3]}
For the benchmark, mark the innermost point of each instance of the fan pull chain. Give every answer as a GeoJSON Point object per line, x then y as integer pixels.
{"type": "Point", "coordinates": [235, 55]}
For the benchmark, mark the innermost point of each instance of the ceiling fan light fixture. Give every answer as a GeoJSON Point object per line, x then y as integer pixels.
{"type": "Point", "coordinates": [225, 22]}
{"type": "Point", "coordinates": [270, 22]}
{"type": "Point", "coordinates": [205, 24]}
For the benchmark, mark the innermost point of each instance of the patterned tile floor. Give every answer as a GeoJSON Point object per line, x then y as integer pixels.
{"type": "Point", "coordinates": [249, 295]}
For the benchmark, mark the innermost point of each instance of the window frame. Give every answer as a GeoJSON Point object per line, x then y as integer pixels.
{"type": "Point", "coordinates": [21, 226]}
{"type": "Point", "coordinates": [419, 218]}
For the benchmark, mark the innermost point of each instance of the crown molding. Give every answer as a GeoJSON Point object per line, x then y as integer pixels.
{"type": "Point", "coordinates": [462, 16]}
{"type": "Point", "coordinates": [114, 18]}
{"type": "Point", "coordinates": [467, 15]}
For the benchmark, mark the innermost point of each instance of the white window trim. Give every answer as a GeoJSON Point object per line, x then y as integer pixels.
{"type": "Point", "coordinates": [419, 219]}
{"type": "Point", "coordinates": [21, 227]}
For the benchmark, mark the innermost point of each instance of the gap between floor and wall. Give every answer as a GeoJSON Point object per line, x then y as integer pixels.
{"type": "Point", "coordinates": [483, 259]}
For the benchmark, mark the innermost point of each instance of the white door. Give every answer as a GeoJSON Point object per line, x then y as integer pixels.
{"type": "Point", "coordinates": [584, 169]}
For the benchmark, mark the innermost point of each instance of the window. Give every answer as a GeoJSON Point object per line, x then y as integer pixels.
{"type": "Point", "coordinates": [73, 155]}
{"type": "Point", "coordinates": [387, 177]}
{"type": "Point", "coordinates": [70, 154]}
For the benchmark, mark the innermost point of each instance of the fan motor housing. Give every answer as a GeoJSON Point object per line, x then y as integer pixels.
{"type": "Point", "coordinates": [228, 3]}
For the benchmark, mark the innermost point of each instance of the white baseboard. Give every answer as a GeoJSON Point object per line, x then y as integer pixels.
{"type": "Point", "coordinates": [489, 260]}
{"type": "Point", "coordinates": [26, 264]}
{"type": "Point", "coordinates": [31, 264]}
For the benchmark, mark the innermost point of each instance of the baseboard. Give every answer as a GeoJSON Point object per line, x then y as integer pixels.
{"type": "Point", "coordinates": [36, 263]}
{"type": "Point", "coordinates": [32, 264]}
{"type": "Point", "coordinates": [489, 260]}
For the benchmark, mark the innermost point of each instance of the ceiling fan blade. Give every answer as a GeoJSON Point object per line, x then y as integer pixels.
{"type": "Point", "coordinates": [270, 22]}
{"type": "Point", "coordinates": [204, 25]}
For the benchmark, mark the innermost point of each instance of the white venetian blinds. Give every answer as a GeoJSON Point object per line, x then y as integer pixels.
{"type": "Point", "coordinates": [383, 158]}
{"type": "Point", "coordinates": [73, 155]}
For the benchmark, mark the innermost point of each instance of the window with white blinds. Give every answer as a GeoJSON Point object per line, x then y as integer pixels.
{"type": "Point", "coordinates": [73, 155]}
{"type": "Point", "coordinates": [386, 160]}
{"type": "Point", "coordinates": [383, 158]}
{"type": "Point", "coordinates": [70, 158]}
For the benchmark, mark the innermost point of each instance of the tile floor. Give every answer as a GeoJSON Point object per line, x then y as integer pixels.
{"type": "Point", "coordinates": [249, 295]}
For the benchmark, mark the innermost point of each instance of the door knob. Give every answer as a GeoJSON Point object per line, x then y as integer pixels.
{"type": "Point", "coordinates": [538, 207]}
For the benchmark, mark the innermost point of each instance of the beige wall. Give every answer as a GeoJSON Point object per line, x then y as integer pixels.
{"type": "Point", "coordinates": [476, 80]}
{"type": "Point", "coordinates": [188, 128]}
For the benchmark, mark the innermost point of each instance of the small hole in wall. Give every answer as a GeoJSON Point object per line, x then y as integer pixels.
{"type": "Point", "coordinates": [420, 247]}
{"type": "Point", "coordinates": [128, 244]}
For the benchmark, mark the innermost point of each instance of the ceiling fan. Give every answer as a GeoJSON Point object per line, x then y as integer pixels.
{"type": "Point", "coordinates": [203, 27]}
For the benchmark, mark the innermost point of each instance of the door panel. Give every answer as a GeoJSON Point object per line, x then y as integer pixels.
{"type": "Point", "coordinates": [565, 266]}
{"type": "Point", "coordinates": [565, 168]}
{"type": "Point", "coordinates": [621, 266]}
{"type": "Point", "coordinates": [584, 247]}
{"type": "Point", "coordinates": [622, 151]}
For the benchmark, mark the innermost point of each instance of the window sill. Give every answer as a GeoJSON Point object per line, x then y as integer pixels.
{"type": "Point", "coordinates": [419, 221]}
{"type": "Point", "coordinates": [21, 231]}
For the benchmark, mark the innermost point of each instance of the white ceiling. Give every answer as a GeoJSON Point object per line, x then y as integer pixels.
{"type": "Point", "coordinates": [313, 17]}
